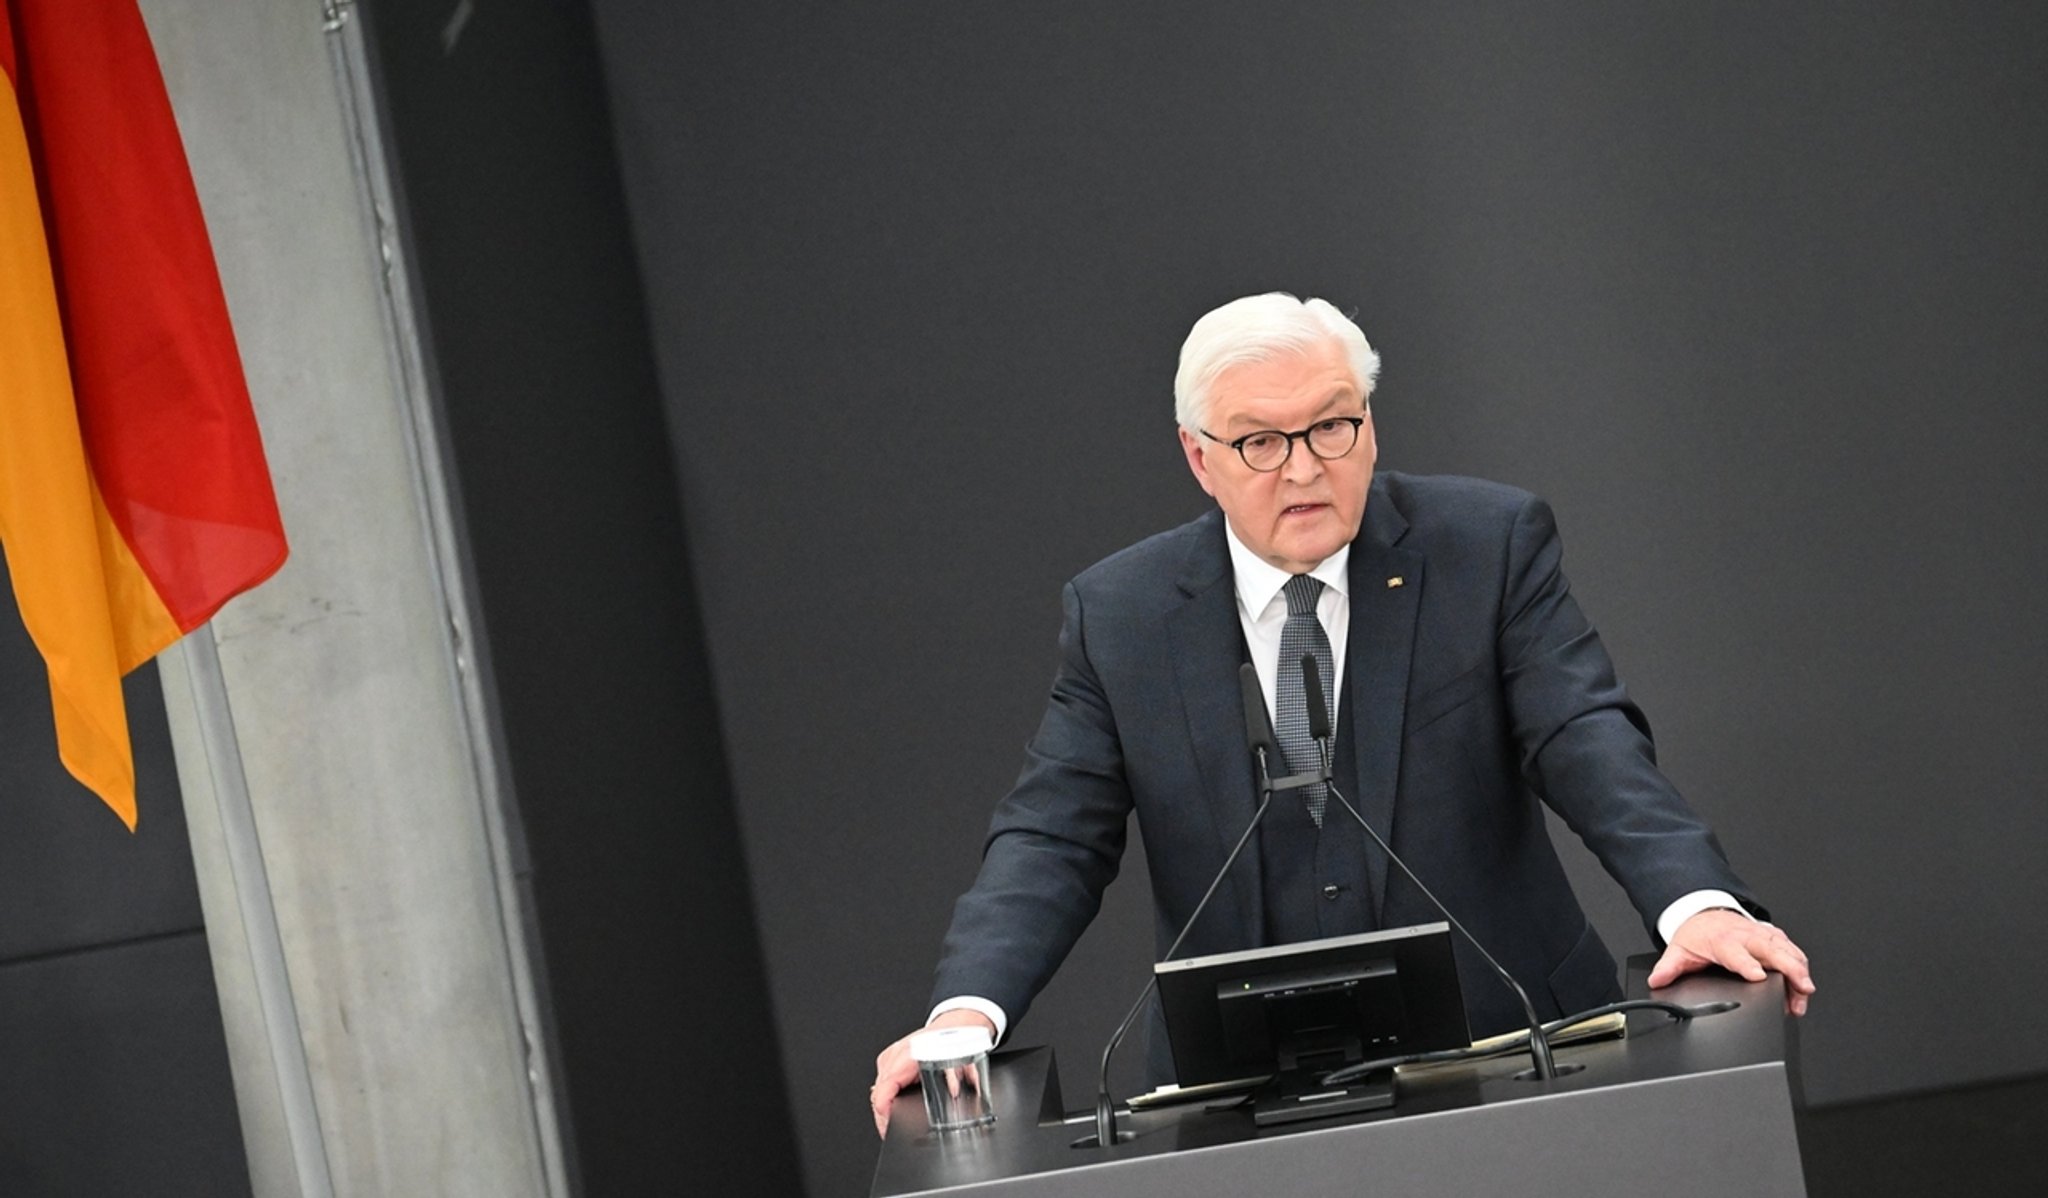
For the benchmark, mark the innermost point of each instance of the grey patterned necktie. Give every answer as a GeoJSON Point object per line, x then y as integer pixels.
{"type": "Point", "coordinates": [1302, 635]}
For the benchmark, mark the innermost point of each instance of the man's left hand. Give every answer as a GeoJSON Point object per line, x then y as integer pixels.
{"type": "Point", "coordinates": [1742, 946]}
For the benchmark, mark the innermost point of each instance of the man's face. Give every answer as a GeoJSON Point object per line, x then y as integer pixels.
{"type": "Point", "coordinates": [1309, 508]}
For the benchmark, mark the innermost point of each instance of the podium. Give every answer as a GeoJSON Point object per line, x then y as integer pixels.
{"type": "Point", "coordinates": [1677, 1109]}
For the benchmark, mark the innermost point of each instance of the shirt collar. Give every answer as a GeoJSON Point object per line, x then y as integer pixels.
{"type": "Point", "coordinates": [1259, 581]}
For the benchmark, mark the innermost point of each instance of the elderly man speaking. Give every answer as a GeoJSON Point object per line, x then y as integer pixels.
{"type": "Point", "coordinates": [1466, 688]}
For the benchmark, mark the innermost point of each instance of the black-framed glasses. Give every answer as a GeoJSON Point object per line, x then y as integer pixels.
{"type": "Point", "coordinates": [1268, 449]}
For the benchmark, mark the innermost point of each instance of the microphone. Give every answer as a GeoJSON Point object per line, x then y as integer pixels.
{"type": "Point", "coordinates": [1258, 730]}
{"type": "Point", "coordinates": [1258, 735]}
{"type": "Point", "coordinates": [1318, 711]}
{"type": "Point", "coordinates": [1319, 729]}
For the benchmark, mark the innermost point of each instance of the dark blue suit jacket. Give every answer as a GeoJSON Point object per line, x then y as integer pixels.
{"type": "Point", "coordinates": [1475, 688]}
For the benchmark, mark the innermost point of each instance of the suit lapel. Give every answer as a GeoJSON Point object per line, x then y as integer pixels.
{"type": "Point", "coordinates": [1376, 659]}
{"type": "Point", "coordinates": [1207, 643]}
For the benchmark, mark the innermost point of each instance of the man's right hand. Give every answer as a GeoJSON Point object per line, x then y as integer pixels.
{"type": "Point", "coordinates": [895, 1068]}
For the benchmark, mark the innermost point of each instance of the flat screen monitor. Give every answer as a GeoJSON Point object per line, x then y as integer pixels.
{"type": "Point", "coordinates": [1294, 1012]}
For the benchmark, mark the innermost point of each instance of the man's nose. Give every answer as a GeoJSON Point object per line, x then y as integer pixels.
{"type": "Point", "coordinates": [1302, 465]}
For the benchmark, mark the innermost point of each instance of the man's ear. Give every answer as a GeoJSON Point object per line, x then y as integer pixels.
{"type": "Point", "coordinates": [1191, 445]}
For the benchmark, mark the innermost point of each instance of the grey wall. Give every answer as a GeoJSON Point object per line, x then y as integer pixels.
{"type": "Point", "coordinates": [115, 1067]}
{"type": "Point", "coordinates": [1754, 292]}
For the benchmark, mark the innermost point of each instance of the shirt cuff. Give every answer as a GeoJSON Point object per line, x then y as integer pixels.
{"type": "Point", "coordinates": [1685, 908]}
{"type": "Point", "coordinates": [968, 1002]}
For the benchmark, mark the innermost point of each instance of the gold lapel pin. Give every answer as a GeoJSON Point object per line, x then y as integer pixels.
{"type": "Point", "coordinates": [1395, 581]}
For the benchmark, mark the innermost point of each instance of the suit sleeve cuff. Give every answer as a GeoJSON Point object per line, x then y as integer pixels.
{"type": "Point", "coordinates": [968, 1002]}
{"type": "Point", "coordinates": [1685, 908]}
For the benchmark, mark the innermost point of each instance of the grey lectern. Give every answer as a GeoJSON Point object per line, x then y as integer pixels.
{"type": "Point", "coordinates": [1703, 1108]}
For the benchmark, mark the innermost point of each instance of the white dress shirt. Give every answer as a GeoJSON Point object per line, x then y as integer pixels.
{"type": "Point", "coordinates": [1262, 611]}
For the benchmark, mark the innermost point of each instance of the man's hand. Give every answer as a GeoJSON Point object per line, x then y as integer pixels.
{"type": "Point", "coordinates": [895, 1068]}
{"type": "Point", "coordinates": [1740, 945]}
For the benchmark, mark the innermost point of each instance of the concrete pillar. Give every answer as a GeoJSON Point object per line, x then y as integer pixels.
{"type": "Point", "coordinates": [357, 721]}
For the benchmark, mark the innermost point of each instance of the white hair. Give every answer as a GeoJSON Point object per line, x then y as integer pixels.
{"type": "Point", "coordinates": [1259, 328]}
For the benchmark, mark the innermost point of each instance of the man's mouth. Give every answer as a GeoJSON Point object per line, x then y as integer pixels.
{"type": "Point", "coordinates": [1303, 509]}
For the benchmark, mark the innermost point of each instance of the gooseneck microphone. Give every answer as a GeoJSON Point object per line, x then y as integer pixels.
{"type": "Point", "coordinates": [1318, 710]}
{"type": "Point", "coordinates": [1258, 730]}
{"type": "Point", "coordinates": [1259, 739]}
{"type": "Point", "coordinates": [1319, 730]}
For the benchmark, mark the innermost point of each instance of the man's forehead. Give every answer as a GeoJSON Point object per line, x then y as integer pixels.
{"type": "Point", "coordinates": [1288, 384]}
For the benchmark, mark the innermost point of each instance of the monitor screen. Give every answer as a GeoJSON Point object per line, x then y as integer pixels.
{"type": "Point", "coordinates": [1312, 1007]}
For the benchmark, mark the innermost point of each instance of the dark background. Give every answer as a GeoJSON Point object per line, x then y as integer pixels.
{"type": "Point", "coordinates": [113, 1066]}
{"type": "Point", "coordinates": [1754, 293]}
{"type": "Point", "coordinates": [790, 357]}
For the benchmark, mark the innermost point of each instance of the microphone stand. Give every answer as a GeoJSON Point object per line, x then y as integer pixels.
{"type": "Point", "coordinates": [1259, 736]}
{"type": "Point", "coordinates": [1546, 1068]}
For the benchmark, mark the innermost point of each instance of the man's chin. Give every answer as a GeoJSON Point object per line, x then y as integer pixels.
{"type": "Point", "coordinates": [1305, 553]}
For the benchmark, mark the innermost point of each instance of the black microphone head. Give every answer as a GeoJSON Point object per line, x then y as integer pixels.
{"type": "Point", "coordinates": [1258, 729]}
{"type": "Point", "coordinates": [1318, 707]}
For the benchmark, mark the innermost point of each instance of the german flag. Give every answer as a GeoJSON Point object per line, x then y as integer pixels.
{"type": "Point", "coordinates": [134, 496]}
